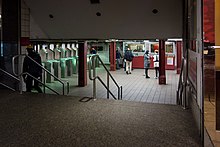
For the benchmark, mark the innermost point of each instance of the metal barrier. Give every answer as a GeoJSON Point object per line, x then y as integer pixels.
{"type": "Point", "coordinates": [92, 66]}
{"type": "Point", "coordinates": [44, 69]}
{"type": "Point", "coordinates": [180, 100]}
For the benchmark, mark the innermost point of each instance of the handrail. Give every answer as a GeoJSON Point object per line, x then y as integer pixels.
{"type": "Point", "coordinates": [26, 73]}
{"type": "Point", "coordinates": [47, 71]}
{"type": "Point", "coordinates": [7, 86]}
{"type": "Point", "coordinates": [10, 75]}
{"type": "Point", "coordinates": [92, 64]}
{"type": "Point", "coordinates": [181, 84]}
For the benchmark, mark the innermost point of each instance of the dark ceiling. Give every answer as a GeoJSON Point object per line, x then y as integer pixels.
{"type": "Point", "coordinates": [120, 19]}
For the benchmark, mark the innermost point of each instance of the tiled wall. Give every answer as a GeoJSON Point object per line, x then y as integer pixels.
{"type": "Point", "coordinates": [25, 25]}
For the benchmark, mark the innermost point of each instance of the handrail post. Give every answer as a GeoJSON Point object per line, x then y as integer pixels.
{"type": "Point", "coordinates": [107, 85]}
{"type": "Point", "coordinates": [63, 89]}
{"type": "Point", "coordinates": [121, 92]}
{"type": "Point", "coordinates": [94, 75]}
{"type": "Point", "coordinates": [20, 84]}
{"type": "Point", "coordinates": [68, 85]}
{"type": "Point", "coordinates": [20, 77]}
{"type": "Point", "coordinates": [44, 82]}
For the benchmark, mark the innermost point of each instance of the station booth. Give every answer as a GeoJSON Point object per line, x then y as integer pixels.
{"type": "Point", "coordinates": [139, 48]}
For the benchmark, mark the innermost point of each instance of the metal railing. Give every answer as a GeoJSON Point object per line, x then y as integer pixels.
{"type": "Point", "coordinates": [45, 70]}
{"type": "Point", "coordinates": [10, 75]}
{"type": "Point", "coordinates": [92, 66]}
{"type": "Point", "coordinates": [181, 86]}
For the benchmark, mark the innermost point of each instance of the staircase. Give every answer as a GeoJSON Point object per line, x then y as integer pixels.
{"type": "Point", "coordinates": [33, 119]}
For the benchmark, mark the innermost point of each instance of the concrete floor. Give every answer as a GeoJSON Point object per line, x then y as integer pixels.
{"type": "Point", "coordinates": [50, 120]}
{"type": "Point", "coordinates": [135, 86]}
{"type": "Point", "coordinates": [209, 114]}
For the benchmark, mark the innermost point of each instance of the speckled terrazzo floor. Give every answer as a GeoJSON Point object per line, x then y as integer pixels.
{"type": "Point", "coordinates": [51, 120]}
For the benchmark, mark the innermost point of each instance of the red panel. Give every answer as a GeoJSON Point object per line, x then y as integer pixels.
{"type": "Point", "coordinates": [169, 65]}
{"type": "Point", "coordinates": [138, 62]}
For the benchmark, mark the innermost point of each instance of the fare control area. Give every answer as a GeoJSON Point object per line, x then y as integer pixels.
{"type": "Point", "coordinates": [60, 59]}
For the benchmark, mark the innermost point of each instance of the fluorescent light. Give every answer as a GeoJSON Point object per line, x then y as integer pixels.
{"type": "Point", "coordinates": [175, 39]}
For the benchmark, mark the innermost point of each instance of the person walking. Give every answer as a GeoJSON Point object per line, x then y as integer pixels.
{"type": "Point", "coordinates": [93, 51]}
{"type": "Point", "coordinates": [118, 58]}
{"type": "Point", "coordinates": [156, 64]}
{"type": "Point", "coordinates": [33, 69]}
{"type": "Point", "coordinates": [146, 63]}
{"type": "Point", "coordinates": [128, 57]}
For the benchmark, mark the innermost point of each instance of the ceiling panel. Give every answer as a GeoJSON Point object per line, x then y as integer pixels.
{"type": "Point", "coordinates": [120, 19]}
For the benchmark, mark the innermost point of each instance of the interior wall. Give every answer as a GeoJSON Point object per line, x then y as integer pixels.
{"type": "Point", "coordinates": [124, 19]}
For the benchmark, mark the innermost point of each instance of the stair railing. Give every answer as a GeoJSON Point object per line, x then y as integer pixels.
{"type": "Point", "coordinates": [181, 86]}
{"type": "Point", "coordinates": [45, 70]}
{"type": "Point", "coordinates": [11, 76]}
{"type": "Point", "coordinates": [92, 66]}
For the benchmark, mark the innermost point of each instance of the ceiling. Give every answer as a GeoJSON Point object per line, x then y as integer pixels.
{"type": "Point", "coordinates": [120, 19]}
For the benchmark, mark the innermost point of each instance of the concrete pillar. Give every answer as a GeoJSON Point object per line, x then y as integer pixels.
{"type": "Point", "coordinates": [112, 56]}
{"type": "Point", "coordinates": [11, 30]}
{"type": "Point", "coordinates": [10, 37]}
{"type": "Point", "coordinates": [82, 71]}
{"type": "Point", "coordinates": [162, 72]}
{"type": "Point", "coordinates": [179, 56]}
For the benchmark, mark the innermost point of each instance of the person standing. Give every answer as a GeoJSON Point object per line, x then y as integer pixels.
{"type": "Point", "coordinates": [33, 69]}
{"type": "Point", "coordinates": [118, 58]}
{"type": "Point", "coordinates": [146, 63]}
{"type": "Point", "coordinates": [156, 64]}
{"type": "Point", "coordinates": [128, 57]}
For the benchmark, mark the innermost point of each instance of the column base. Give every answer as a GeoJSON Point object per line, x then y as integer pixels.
{"type": "Point", "coordinates": [178, 70]}
{"type": "Point", "coordinates": [162, 80]}
{"type": "Point", "coordinates": [112, 68]}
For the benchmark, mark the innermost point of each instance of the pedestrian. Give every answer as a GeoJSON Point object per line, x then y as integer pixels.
{"type": "Point", "coordinates": [118, 59]}
{"type": "Point", "coordinates": [146, 63]}
{"type": "Point", "coordinates": [128, 57]}
{"type": "Point", "coordinates": [33, 69]}
{"type": "Point", "coordinates": [156, 63]}
{"type": "Point", "coordinates": [93, 51]}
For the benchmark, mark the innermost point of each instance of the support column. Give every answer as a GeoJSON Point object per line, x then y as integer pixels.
{"type": "Point", "coordinates": [82, 71]}
{"type": "Point", "coordinates": [162, 72]}
{"type": "Point", "coordinates": [112, 56]}
{"type": "Point", "coordinates": [11, 30]}
{"type": "Point", "coordinates": [217, 62]}
{"type": "Point", "coordinates": [217, 100]}
{"type": "Point", "coordinates": [10, 38]}
{"type": "Point", "coordinates": [179, 56]}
